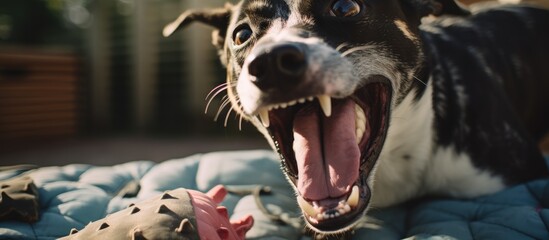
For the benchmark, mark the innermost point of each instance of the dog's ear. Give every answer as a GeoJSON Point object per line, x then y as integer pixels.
{"type": "Point", "coordinates": [439, 7]}
{"type": "Point", "coordinates": [218, 18]}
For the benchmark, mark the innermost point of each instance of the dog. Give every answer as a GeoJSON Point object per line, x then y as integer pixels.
{"type": "Point", "coordinates": [372, 103]}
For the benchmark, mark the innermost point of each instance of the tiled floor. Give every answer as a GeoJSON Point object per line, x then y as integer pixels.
{"type": "Point", "coordinates": [113, 150]}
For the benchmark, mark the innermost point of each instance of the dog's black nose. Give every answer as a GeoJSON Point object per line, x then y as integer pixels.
{"type": "Point", "coordinates": [278, 66]}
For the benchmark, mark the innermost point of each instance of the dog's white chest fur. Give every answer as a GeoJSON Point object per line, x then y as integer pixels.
{"type": "Point", "coordinates": [411, 164]}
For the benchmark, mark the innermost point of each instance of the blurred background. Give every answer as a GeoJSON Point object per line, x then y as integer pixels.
{"type": "Point", "coordinates": [94, 81]}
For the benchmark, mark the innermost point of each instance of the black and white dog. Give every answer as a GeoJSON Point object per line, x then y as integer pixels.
{"type": "Point", "coordinates": [368, 106]}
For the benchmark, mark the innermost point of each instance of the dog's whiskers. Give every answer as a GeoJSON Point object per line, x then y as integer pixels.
{"type": "Point", "coordinates": [225, 101]}
{"type": "Point", "coordinates": [341, 46]}
{"type": "Point", "coordinates": [356, 49]}
{"type": "Point", "coordinates": [213, 93]}
{"type": "Point", "coordinates": [222, 86]}
{"type": "Point", "coordinates": [416, 78]}
{"type": "Point", "coordinates": [227, 116]}
{"type": "Point", "coordinates": [240, 113]}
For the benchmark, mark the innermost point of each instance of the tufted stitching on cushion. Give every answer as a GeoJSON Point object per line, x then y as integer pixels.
{"type": "Point", "coordinates": [508, 228]}
{"type": "Point", "coordinates": [33, 230]}
{"type": "Point", "coordinates": [544, 207]}
{"type": "Point", "coordinates": [75, 220]}
{"type": "Point", "coordinates": [437, 210]}
{"type": "Point", "coordinates": [533, 193]}
{"type": "Point", "coordinates": [471, 231]}
{"type": "Point", "coordinates": [481, 212]}
{"type": "Point", "coordinates": [541, 204]}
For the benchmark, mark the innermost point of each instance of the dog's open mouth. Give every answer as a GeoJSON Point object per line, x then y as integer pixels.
{"type": "Point", "coordinates": [329, 147]}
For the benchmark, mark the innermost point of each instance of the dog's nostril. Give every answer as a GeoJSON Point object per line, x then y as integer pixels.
{"type": "Point", "coordinates": [258, 66]}
{"type": "Point", "coordinates": [290, 60]}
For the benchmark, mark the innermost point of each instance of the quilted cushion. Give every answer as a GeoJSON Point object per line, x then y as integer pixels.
{"type": "Point", "coordinates": [521, 212]}
{"type": "Point", "coordinates": [72, 196]}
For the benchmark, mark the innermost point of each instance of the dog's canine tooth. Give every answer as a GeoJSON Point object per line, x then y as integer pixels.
{"type": "Point", "coordinates": [354, 197]}
{"type": "Point", "coordinates": [326, 104]}
{"type": "Point", "coordinates": [306, 207]}
{"type": "Point", "coordinates": [264, 116]}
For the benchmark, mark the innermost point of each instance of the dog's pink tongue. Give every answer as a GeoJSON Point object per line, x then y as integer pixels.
{"type": "Point", "coordinates": [326, 152]}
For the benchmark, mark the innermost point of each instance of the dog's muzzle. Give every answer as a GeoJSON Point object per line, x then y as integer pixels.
{"type": "Point", "coordinates": [327, 123]}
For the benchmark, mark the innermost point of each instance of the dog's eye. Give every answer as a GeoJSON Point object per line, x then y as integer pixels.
{"type": "Point", "coordinates": [345, 8]}
{"type": "Point", "coordinates": [242, 35]}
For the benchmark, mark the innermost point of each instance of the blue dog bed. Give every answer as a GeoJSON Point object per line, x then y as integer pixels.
{"type": "Point", "coordinates": [73, 195]}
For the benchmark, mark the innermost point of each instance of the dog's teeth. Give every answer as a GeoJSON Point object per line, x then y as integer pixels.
{"type": "Point", "coordinates": [347, 208]}
{"type": "Point", "coordinates": [303, 100]}
{"type": "Point", "coordinates": [320, 216]}
{"type": "Point", "coordinates": [354, 197]}
{"type": "Point", "coordinates": [326, 104]}
{"type": "Point", "coordinates": [306, 207]}
{"type": "Point", "coordinates": [292, 103]}
{"type": "Point", "coordinates": [264, 116]}
{"type": "Point", "coordinates": [360, 122]}
{"type": "Point", "coordinates": [310, 99]}
{"type": "Point", "coordinates": [284, 105]}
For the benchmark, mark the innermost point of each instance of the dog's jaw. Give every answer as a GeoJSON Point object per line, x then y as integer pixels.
{"type": "Point", "coordinates": [349, 195]}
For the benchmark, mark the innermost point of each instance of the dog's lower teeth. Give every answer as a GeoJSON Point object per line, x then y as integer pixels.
{"type": "Point", "coordinates": [306, 206]}
{"type": "Point", "coordinates": [320, 216]}
{"type": "Point", "coordinates": [347, 208]}
{"type": "Point", "coordinates": [313, 212]}
{"type": "Point", "coordinates": [354, 197]}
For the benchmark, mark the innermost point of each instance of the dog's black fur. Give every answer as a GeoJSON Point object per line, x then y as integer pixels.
{"type": "Point", "coordinates": [453, 106]}
{"type": "Point", "coordinates": [500, 57]}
